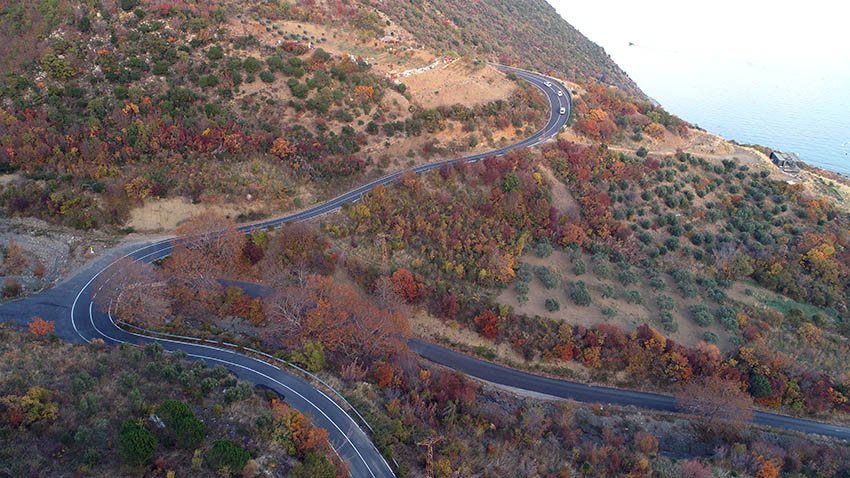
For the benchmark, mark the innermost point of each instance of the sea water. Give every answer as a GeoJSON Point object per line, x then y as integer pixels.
{"type": "Point", "coordinates": [776, 73]}
{"type": "Point", "coordinates": [805, 110]}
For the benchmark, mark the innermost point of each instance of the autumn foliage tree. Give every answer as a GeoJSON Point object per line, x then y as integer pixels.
{"type": "Point", "coordinates": [15, 258]}
{"type": "Point", "coordinates": [40, 327]}
{"type": "Point", "coordinates": [282, 148]}
{"type": "Point", "coordinates": [296, 431]}
{"type": "Point", "coordinates": [363, 93]}
{"type": "Point", "coordinates": [295, 252]}
{"type": "Point", "coordinates": [337, 316]}
{"type": "Point", "coordinates": [209, 248]}
{"type": "Point", "coordinates": [407, 286]}
{"type": "Point", "coordinates": [715, 399]}
{"type": "Point", "coordinates": [488, 324]}
{"type": "Point", "coordinates": [132, 291]}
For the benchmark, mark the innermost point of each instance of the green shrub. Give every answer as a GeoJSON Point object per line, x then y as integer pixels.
{"type": "Point", "coordinates": [298, 89]}
{"type": "Point", "coordinates": [579, 294]}
{"type": "Point", "coordinates": [627, 277]}
{"type": "Point", "coordinates": [546, 276]}
{"type": "Point", "coordinates": [208, 81]}
{"type": "Point", "coordinates": [717, 295]}
{"type": "Point", "coordinates": [267, 76]}
{"type": "Point", "coordinates": [727, 316]}
{"type": "Point", "coordinates": [525, 272]}
{"type": "Point", "coordinates": [208, 385]}
{"type": "Point", "coordinates": [609, 312]}
{"type": "Point", "coordinates": [671, 243]}
{"type": "Point", "coordinates": [171, 412]}
{"type": "Point", "coordinates": [606, 291]}
{"type": "Point", "coordinates": [603, 269]}
{"type": "Point", "coordinates": [84, 25]}
{"type": "Point", "coordinates": [521, 288]}
{"type": "Point", "coordinates": [240, 391]}
{"type": "Point", "coordinates": [553, 305]}
{"type": "Point", "coordinates": [511, 182]}
{"type": "Point", "coordinates": [275, 63]}
{"type": "Point", "coordinates": [657, 283]}
{"type": "Point", "coordinates": [579, 267]}
{"type": "Point", "coordinates": [543, 248]}
{"type": "Point", "coordinates": [311, 356]}
{"type": "Point", "coordinates": [701, 315]}
{"type": "Point", "coordinates": [128, 5]}
{"type": "Point", "coordinates": [160, 68]}
{"type": "Point", "coordinates": [710, 337]}
{"type": "Point", "coordinates": [56, 67]}
{"type": "Point", "coordinates": [252, 65]}
{"type": "Point", "coordinates": [672, 327]}
{"type": "Point", "coordinates": [190, 433]}
{"type": "Point", "coordinates": [633, 297]}
{"type": "Point", "coordinates": [136, 444]}
{"type": "Point", "coordinates": [760, 386]}
{"type": "Point", "coordinates": [88, 405]}
{"type": "Point", "coordinates": [81, 383]}
{"type": "Point", "coordinates": [665, 302]}
{"type": "Point", "coordinates": [215, 53]}
{"type": "Point", "coordinates": [227, 453]}
{"type": "Point", "coordinates": [315, 465]}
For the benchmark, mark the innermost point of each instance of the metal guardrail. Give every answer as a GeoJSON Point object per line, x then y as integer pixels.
{"type": "Point", "coordinates": [253, 350]}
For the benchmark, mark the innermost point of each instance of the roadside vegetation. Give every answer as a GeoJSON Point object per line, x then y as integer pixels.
{"type": "Point", "coordinates": [72, 410]}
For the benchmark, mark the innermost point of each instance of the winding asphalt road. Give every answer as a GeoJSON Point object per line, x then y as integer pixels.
{"type": "Point", "coordinates": [73, 299]}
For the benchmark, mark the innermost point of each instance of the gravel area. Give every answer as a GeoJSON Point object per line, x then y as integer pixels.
{"type": "Point", "coordinates": [61, 250]}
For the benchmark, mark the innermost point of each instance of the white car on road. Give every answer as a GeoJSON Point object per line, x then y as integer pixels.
{"type": "Point", "coordinates": [560, 93]}
{"type": "Point", "coordinates": [563, 111]}
{"type": "Point", "coordinates": [549, 84]}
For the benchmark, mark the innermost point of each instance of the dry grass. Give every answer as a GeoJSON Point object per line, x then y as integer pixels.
{"type": "Point", "coordinates": [162, 215]}
{"type": "Point", "coordinates": [459, 82]}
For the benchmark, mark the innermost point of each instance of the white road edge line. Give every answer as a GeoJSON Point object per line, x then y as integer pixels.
{"type": "Point", "coordinates": [156, 339]}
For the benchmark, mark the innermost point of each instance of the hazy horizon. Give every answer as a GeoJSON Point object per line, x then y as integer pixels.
{"type": "Point", "coordinates": [760, 32]}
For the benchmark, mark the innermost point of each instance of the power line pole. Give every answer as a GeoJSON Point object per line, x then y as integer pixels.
{"type": "Point", "coordinates": [429, 464]}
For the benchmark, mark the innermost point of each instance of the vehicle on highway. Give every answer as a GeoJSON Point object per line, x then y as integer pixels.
{"type": "Point", "coordinates": [560, 93]}
{"type": "Point", "coordinates": [547, 83]}
{"type": "Point", "coordinates": [563, 111]}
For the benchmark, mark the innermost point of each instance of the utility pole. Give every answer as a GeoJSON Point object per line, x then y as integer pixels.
{"type": "Point", "coordinates": [385, 256]}
{"type": "Point", "coordinates": [429, 464]}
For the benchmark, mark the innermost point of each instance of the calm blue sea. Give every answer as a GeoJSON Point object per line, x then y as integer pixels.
{"type": "Point", "coordinates": [789, 108]}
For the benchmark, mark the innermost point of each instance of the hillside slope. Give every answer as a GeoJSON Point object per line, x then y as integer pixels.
{"type": "Point", "coordinates": [527, 32]}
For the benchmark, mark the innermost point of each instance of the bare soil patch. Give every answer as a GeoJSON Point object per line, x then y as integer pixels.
{"type": "Point", "coordinates": [56, 249]}
{"type": "Point", "coordinates": [459, 82]}
{"type": "Point", "coordinates": [562, 198]}
{"type": "Point", "coordinates": [161, 215]}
